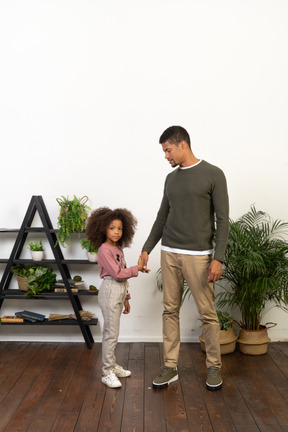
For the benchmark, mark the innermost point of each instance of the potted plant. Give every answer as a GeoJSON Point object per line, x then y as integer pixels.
{"type": "Point", "coordinates": [72, 218]}
{"type": "Point", "coordinates": [93, 289]}
{"type": "Point", "coordinates": [255, 272]}
{"type": "Point", "coordinates": [227, 335]}
{"type": "Point", "coordinates": [91, 252]}
{"type": "Point", "coordinates": [37, 250]}
{"type": "Point", "coordinates": [34, 279]}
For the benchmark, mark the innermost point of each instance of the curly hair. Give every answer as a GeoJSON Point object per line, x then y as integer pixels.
{"type": "Point", "coordinates": [101, 218]}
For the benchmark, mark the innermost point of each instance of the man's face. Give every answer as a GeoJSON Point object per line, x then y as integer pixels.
{"type": "Point", "coordinates": [173, 153]}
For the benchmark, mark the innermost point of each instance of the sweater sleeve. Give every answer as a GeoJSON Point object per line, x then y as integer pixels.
{"type": "Point", "coordinates": [158, 226]}
{"type": "Point", "coordinates": [221, 207]}
{"type": "Point", "coordinates": [110, 267]}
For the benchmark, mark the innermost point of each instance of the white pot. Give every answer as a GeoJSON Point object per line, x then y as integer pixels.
{"type": "Point", "coordinates": [37, 255]}
{"type": "Point", "coordinates": [92, 256]}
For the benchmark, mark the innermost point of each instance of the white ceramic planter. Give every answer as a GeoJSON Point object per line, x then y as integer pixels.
{"type": "Point", "coordinates": [92, 256]}
{"type": "Point", "coordinates": [37, 255]}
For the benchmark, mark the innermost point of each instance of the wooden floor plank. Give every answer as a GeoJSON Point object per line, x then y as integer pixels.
{"type": "Point", "coordinates": [196, 410]}
{"type": "Point", "coordinates": [40, 381]}
{"type": "Point", "coordinates": [29, 368]}
{"type": "Point", "coordinates": [154, 416]}
{"type": "Point", "coordinates": [235, 403]}
{"type": "Point", "coordinates": [72, 403]}
{"type": "Point", "coordinates": [254, 393]}
{"type": "Point", "coordinates": [56, 387]}
{"type": "Point", "coordinates": [112, 409]}
{"type": "Point", "coordinates": [133, 417]}
{"type": "Point", "coordinates": [11, 366]}
{"type": "Point", "coordinates": [51, 405]}
{"type": "Point", "coordinates": [136, 351]}
{"type": "Point", "coordinates": [219, 416]}
{"type": "Point", "coordinates": [88, 419]}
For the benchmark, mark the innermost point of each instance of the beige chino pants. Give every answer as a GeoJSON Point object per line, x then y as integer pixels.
{"type": "Point", "coordinates": [194, 269]}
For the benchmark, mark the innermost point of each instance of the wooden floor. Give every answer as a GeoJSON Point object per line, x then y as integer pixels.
{"type": "Point", "coordinates": [57, 387]}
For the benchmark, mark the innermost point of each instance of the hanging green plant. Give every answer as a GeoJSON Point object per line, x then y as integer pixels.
{"type": "Point", "coordinates": [72, 218]}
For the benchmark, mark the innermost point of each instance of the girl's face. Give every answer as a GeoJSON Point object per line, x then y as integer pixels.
{"type": "Point", "coordinates": [114, 232]}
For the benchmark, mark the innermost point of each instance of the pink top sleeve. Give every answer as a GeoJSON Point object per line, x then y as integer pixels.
{"type": "Point", "coordinates": [112, 263]}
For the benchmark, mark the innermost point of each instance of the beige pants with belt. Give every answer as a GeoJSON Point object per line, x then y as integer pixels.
{"type": "Point", "coordinates": [194, 269]}
{"type": "Point", "coordinates": [111, 299]}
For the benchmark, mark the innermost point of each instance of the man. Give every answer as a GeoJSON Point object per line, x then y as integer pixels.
{"type": "Point", "coordinates": [194, 194]}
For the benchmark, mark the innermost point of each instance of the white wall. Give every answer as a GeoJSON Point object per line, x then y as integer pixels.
{"type": "Point", "coordinates": [87, 87]}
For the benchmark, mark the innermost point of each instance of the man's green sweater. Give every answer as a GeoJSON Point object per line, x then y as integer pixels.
{"type": "Point", "coordinates": [192, 198]}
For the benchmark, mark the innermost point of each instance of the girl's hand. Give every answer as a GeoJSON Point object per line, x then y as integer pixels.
{"type": "Point", "coordinates": [126, 307]}
{"type": "Point", "coordinates": [140, 264]}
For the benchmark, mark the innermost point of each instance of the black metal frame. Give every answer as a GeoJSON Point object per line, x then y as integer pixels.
{"type": "Point", "coordinates": [37, 204]}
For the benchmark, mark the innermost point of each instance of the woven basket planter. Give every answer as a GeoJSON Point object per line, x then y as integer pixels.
{"type": "Point", "coordinates": [22, 283]}
{"type": "Point", "coordinates": [254, 342]}
{"type": "Point", "coordinates": [228, 340]}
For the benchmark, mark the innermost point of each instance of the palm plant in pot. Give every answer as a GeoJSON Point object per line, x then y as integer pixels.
{"type": "Point", "coordinates": [255, 275]}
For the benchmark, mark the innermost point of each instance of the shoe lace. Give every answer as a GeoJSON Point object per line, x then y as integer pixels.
{"type": "Point", "coordinates": [213, 372]}
{"type": "Point", "coordinates": [164, 371]}
{"type": "Point", "coordinates": [112, 377]}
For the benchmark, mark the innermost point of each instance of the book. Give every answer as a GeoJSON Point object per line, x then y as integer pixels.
{"type": "Point", "coordinates": [30, 316]}
{"type": "Point", "coordinates": [11, 319]}
{"type": "Point", "coordinates": [73, 283]}
{"type": "Point", "coordinates": [64, 290]}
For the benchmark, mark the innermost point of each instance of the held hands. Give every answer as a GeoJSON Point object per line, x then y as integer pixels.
{"type": "Point", "coordinates": [214, 271]}
{"type": "Point", "coordinates": [142, 263]}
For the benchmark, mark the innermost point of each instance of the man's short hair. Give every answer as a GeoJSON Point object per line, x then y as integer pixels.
{"type": "Point", "coordinates": [175, 134]}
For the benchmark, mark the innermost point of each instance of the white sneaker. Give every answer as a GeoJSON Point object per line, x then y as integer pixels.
{"type": "Point", "coordinates": [111, 380]}
{"type": "Point", "coordinates": [120, 372]}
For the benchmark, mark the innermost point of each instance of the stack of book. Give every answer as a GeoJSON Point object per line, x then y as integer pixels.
{"type": "Point", "coordinates": [30, 316]}
{"type": "Point", "coordinates": [75, 286]}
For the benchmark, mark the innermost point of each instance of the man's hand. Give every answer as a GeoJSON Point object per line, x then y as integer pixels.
{"type": "Point", "coordinates": [214, 271]}
{"type": "Point", "coordinates": [144, 257]}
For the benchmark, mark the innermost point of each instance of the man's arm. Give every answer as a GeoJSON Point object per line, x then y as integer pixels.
{"type": "Point", "coordinates": [156, 231]}
{"type": "Point", "coordinates": [221, 208]}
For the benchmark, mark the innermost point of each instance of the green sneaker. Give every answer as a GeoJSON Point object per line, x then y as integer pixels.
{"type": "Point", "coordinates": [167, 376]}
{"type": "Point", "coordinates": [214, 379]}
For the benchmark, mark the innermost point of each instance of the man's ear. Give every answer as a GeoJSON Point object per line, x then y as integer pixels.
{"type": "Point", "coordinates": [183, 144]}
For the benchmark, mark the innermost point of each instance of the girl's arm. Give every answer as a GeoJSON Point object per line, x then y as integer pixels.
{"type": "Point", "coordinates": [112, 267]}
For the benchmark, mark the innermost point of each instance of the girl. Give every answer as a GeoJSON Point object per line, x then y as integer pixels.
{"type": "Point", "coordinates": [109, 231]}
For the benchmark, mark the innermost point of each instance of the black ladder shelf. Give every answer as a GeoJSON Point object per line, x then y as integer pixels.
{"type": "Point", "coordinates": [37, 204]}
